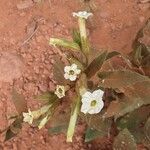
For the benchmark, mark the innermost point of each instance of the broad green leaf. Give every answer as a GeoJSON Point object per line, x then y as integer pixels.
{"type": "Point", "coordinates": [96, 64]}
{"type": "Point", "coordinates": [141, 46]}
{"type": "Point", "coordinates": [120, 78]}
{"type": "Point", "coordinates": [135, 96]}
{"type": "Point", "coordinates": [13, 129]}
{"type": "Point", "coordinates": [19, 102]}
{"type": "Point", "coordinates": [9, 134]}
{"type": "Point", "coordinates": [112, 54]}
{"type": "Point", "coordinates": [47, 97]}
{"type": "Point", "coordinates": [134, 122]}
{"type": "Point", "coordinates": [147, 130]}
{"type": "Point", "coordinates": [142, 32]}
{"type": "Point", "coordinates": [91, 134]}
{"type": "Point", "coordinates": [65, 43]}
{"type": "Point", "coordinates": [57, 129]}
{"type": "Point", "coordinates": [123, 106]}
{"type": "Point", "coordinates": [124, 141]}
{"type": "Point", "coordinates": [58, 71]}
{"type": "Point", "coordinates": [99, 123]}
{"type": "Point", "coordinates": [139, 91]}
{"type": "Point", "coordinates": [61, 116]}
{"type": "Point", "coordinates": [146, 70]}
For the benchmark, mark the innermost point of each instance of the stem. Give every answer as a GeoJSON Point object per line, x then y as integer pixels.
{"type": "Point", "coordinates": [84, 40]}
{"type": "Point", "coordinates": [73, 120]}
{"type": "Point", "coordinates": [82, 27]}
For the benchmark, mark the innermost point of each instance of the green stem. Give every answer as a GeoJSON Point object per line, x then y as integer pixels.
{"type": "Point", "coordinates": [83, 34]}
{"type": "Point", "coordinates": [73, 120]}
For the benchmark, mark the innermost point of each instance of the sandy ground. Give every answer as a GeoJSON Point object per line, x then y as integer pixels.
{"type": "Point", "coordinates": [26, 63]}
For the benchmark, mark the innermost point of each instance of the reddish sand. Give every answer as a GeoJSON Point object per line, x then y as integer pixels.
{"type": "Point", "coordinates": [26, 63]}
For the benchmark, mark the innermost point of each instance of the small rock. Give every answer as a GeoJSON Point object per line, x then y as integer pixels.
{"type": "Point", "coordinates": [11, 67]}
{"type": "Point", "coordinates": [141, 19]}
{"type": "Point", "coordinates": [24, 4]}
{"type": "Point", "coordinates": [104, 15]}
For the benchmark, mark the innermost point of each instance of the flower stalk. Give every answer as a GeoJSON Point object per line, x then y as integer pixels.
{"type": "Point", "coordinates": [82, 16]}
{"type": "Point", "coordinates": [73, 120]}
{"type": "Point", "coordinates": [83, 34]}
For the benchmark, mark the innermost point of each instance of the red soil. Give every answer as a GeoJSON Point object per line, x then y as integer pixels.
{"type": "Point", "coordinates": [26, 65]}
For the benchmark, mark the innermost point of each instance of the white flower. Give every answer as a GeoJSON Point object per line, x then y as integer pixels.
{"type": "Point", "coordinates": [82, 14]}
{"type": "Point", "coordinates": [71, 72]}
{"type": "Point", "coordinates": [60, 91]}
{"type": "Point", "coordinates": [28, 117]}
{"type": "Point", "coordinates": [92, 102]}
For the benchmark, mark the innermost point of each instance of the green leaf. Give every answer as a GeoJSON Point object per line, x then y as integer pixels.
{"type": "Point", "coordinates": [99, 123]}
{"type": "Point", "coordinates": [120, 78]}
{"type": "Point", "coordinates": [59, 121]}
{"type": "Point", "coordinates": [47, 97]}
{"type": "Point", "coordinates": [112, 54]}
{"type": "Point", "coordinates": [19, 102]}
{"type": "Point", "coordinates": [91, 134]}
{"type": "Point", "coordinates": [58, 71]}
{"type": "Point", "coordinates": [140, 90]}
{"type": "Point", "coordinates": [96, 64]}
{"type": "Point", "coordinates": [145, 30]}
{"type": "Point", "coordinates": [13, 129]}
{"type": "Point", "coordinates": [124, 141]}
{"type": "Point", "coordinates": [9, 135]}
{"type": "Point", "coordinates": [134, 122]}
{"type": "Point", "coordinates": [123, 106]}
{"type": "Point", "coordinates": [65, 43]}
{"type": "Point", "coordinates": [57, 129]}
{"type": "Point", "coordinates": [147, 129]}
{"type": "Point", "coordinates": [141, 46]}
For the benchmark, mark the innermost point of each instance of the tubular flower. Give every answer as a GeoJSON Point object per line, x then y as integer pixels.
{"type": "Point", "coordinates": [71, 72]}
{"type": "Point", "coordinates": [92, 102]}
{"type": "Point", "coordinates": [82, 14]}
{"type": "Point", "coordinates": [60, 91]}
{"type": "Point", "coordinates": [28, 117]}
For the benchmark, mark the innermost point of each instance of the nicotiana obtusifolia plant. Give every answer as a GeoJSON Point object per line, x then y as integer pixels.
{"type": "Point", "coordinates": [107, 90]}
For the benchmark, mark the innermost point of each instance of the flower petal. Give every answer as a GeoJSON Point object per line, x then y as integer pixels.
{"type": "Point", "coordinates": [77, 71]}
{"type": "Point", "coordinates": [74, 67]}
{"type": "Point", "coordinates": [67, 69]}
{"type": "Point", "coordinates": [87, 95]}
{"type": "Point", "coordinates": [72, 77]}
{"type": "Point", "coordinates": [82, 14]}
{"type": "Point", "coordinates": [66, 76]}
{"type": "Point", "coordinates": [85, 108]}
{"type": "Point", "coordinates": [85, 100]}
{"type": "Point", "coordinates": [98, 94]}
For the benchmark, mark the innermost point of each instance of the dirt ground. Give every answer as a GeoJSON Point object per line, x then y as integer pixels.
{"type": "Point", "coordinates": [26, 57]}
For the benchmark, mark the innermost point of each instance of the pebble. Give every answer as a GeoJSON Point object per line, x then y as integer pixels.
{"type": "Point", "coordinates": [142, 19]}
